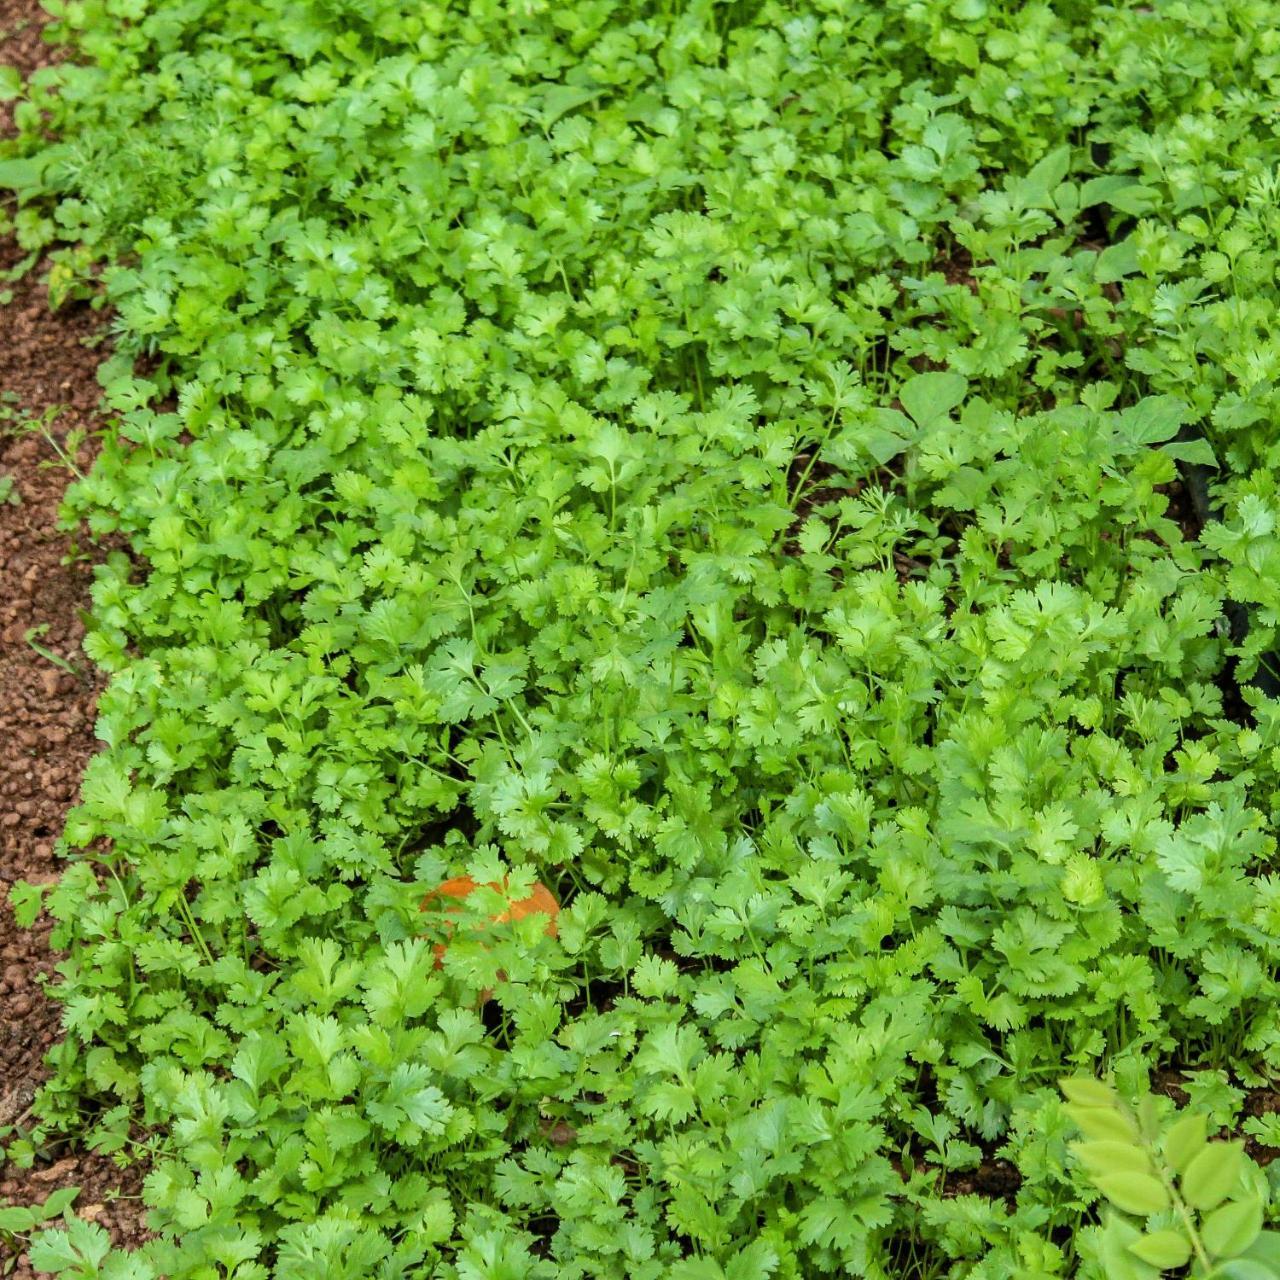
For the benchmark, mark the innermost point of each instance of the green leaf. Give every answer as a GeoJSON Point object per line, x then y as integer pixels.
{"type": "Point", "coordinates": [559, 100]}
{"type": "Point", "coordinates": [1198, 452]}
{"type": "Point", "coordinates": [1116, 1239]}
{"type": "Point", "coordinates": [1164, 1249]}
{"type": "Point", "coordinates": [1139, 1193]}
{"type": "Point", "coordinates": [1102, 190]}
{"type": "Point", "coordinates": [1148, 1117]}
{"type": "Point", "coordinates": [1116, 262]}
{"type": "Point", "coordinates": [1213, 1174]}
{"type": "Point", "coordinates": [1266, 1248]}
{"type": "Point", "coordinates": [17, 1218]}
{"type": "Point", "coordinates": [1153, 420]}
{"type": "Point", "coordinates": [1112, 1157]}
{"type": "Point", "coordinates": [26, 900]}
{"type": "Point", "coordinates": [60, 1200]}
{"type": "Point", "coordinates": [885, 435]}
{"type": "Point", "coordinates": [83, 1244]}
{"type": "Point", "coordinates": [1244, 1269]}
{"type": "Point", "coordinates": [1232, 1228]}
{"type": "Point", "coordinates": [20, 174]}
{"type": "Point", "coordinates": [1039, 182]}
{"type": "Point", "coordinates": [929, 397]}
{"type": "Point", "coordinates": [1135, 200]}
{"type": "Point", "coordinates": [1085, 1091]}
{"type": "Point", "coordinates": [1104, 1124]}
{"type": "Point", "coordinates": [1186, 1138]}
{"type": "Point", "coordinates": [10, 82]}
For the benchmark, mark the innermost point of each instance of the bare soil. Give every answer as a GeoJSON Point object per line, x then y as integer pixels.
{"type": "Point", "coordinates": [46, 711]}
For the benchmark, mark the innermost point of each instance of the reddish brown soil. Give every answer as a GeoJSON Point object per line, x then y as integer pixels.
{"type": "Point", "coordinates": [1257, 1102]}
{"type": "Point", "coordinates": [994, 1179]}
{"type": "Point", "coordinates": [46, 712]}
{"type": "Point", "coordinates": [20, 44]}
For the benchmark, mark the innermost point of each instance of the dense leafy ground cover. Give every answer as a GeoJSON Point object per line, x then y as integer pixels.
{"type": "Point", "coordinates": [713, 459]}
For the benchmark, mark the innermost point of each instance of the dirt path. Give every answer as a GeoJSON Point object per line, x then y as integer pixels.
{"type": "Point", "coordinates": [46, 712]}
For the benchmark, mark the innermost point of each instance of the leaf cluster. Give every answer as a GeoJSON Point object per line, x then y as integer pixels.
{"type": "Point", "coordinates": [1201, 1202]}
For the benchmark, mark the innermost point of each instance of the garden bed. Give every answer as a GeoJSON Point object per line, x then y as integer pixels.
{"type": "Point", "coordinates": [671, 583]}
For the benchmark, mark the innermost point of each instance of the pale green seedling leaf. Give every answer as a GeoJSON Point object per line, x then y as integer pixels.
{"type": "Point", "coordinates": [1266, 1248]}
{"type": "Point", "coordinates": [1085, 1091]}
{"type": "Point", "coordinates": [1103, 1124]}
{"type": "Point", "coordinates": [1112, 1157]}
{"type": "Point", "coordinates": [1117, 1239]}
{"type": "Point", "coordinates": [1140, 1193]}
{"type": "Point", "coordinates": [1186, 1138]}
{"type": "Point", "coordinates": [1213, 1174]}
{"type": "Point", "coordinates": [1244, 1269]}
{"type": "Point", "coordinates": [1164, 1249]}
{"type": "Point", "coordinates": [1231, 1228]}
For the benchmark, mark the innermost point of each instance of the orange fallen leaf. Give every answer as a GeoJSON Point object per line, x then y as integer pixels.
{"type": "Point", "coordinates": [540, 901]}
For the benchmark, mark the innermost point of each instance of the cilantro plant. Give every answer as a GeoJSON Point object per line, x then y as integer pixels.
{"type": "Point", "coordinates": [726, 464]}
{"type": "Point", "coordinates": [18, 1222]}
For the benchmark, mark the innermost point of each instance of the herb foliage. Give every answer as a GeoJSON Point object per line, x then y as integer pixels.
{"type": "Point", "coordinates": [713, 459]}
